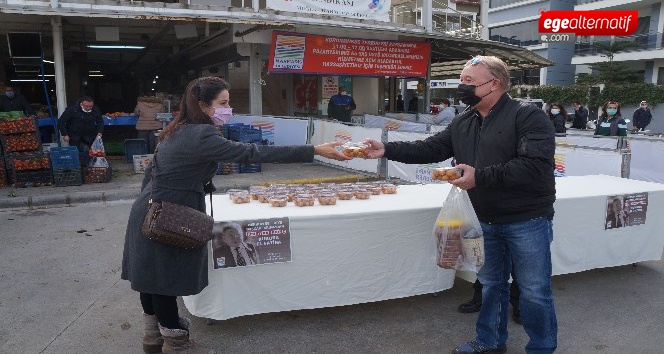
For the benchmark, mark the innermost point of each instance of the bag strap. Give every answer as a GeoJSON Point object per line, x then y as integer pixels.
{"type": "Point", "coordinates": [152, 178]}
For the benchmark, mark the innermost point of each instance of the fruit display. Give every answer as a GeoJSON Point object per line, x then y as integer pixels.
{"type": "Point", "coordinates": [21, 142]}
{"type": "Point", "coordinates": [12, 115]}
{"type": "Point", "coordinates": [446, 173]}
{"type": "Point", "coordinates": [28, 161]}
{"type": "Point", "coordinates": [116, 114]}
{"type": "Point", "coordinates": [355, 149]}
{"type": "Point", "coordinates": [21, 125]}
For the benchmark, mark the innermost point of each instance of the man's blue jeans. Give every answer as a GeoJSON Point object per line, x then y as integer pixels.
{"type": "Point", "coordinates": [526, 247]}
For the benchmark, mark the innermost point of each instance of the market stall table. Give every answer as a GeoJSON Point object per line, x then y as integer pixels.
{"type": "Point", "coordinates": [362, 251]}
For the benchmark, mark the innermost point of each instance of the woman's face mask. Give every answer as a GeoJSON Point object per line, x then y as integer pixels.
{"type": "Point", "coordinates": [10, 94]}
{"type": "Point", "coordinates": [221, 115]}
{"type": "Point", "coordinates": [555, 111]}
{"type": "Point", "coordinates": [611, 111]}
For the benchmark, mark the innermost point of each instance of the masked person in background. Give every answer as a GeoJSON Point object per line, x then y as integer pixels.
{"type": "Point", "coordinates": [13, 101]}
{"type": "Point", "coordinates": [341, 106]}
{"type": "Point", "coordinates": [641, 117]}
{"type": "Point", "coordinates": [80, 124]}
{"type": "Point", "coordinates": [147, 107]}
{"type": "Point", "coordinates": [558, 116]}
{"type": "Point", "coordinates": [611, 123]}
{"type": "Point", "coordinates": [508, 174]}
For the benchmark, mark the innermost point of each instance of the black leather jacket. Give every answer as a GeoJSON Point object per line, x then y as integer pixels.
{"type": "Point", "coordinates": [512, 150]}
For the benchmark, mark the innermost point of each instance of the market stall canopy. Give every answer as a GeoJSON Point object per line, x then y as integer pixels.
{"type": "Point", "coordinates": [448, 55]}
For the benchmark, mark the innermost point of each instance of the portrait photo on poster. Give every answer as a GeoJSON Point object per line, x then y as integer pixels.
{"type": "Point", "coordinates": [250, 242]}
{"type": "Point", "coordinates": [626, 210]}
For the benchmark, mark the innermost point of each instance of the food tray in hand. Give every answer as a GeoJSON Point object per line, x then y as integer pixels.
{"type": "Point", "coordinates": [22, 161]}
{"type": "Point", "coordinates": [21, 125]}
{"type": "Point", "coordinates": [21, 142]}
{"type": "Point", "coordinates": [355, 149]}
{"type": "Point", "coordinates": [64, 178]}
{"type": "Point", "coordinates": [141, 162]}
{"type": "Point", "coordinates": [446, 174]}
{"type": "Point", "coordinates": [33, 178]}
{"type": "Point", "coordinates": [65, 158]}
{"type": "Point", "coordinates": [97, 175]}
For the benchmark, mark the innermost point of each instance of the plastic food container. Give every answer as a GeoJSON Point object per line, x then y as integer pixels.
{"type": "Point", "coordinates": [254, 190]}
{"type": "Point", "coordinates": [355, 149]}
{"type": "Point", "coordinates": [240, 197]}
{"type": "Point", "coordinates": [389, 188]}
{"type": "Point", "coordinates": [362, 194]}
{"type": "Point", "coordinates": [327, 198]}
{"type": "Point", "coordinates": [375, 190]}
{"type": "Point", "coordinates": [446, 173]}
{"type": "Point", "coordinates": [345, 194]}
{"type": "Point", "coordinates": [278, 200]}
{"type": "Point", "coordinates": [302, 200]}
{"type": "Point", "coordinates": [263, 197]}
{"type": "Point", "coordinates": [234, 191]}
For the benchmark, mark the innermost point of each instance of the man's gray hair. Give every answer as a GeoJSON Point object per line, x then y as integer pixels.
{"type": "Point", "coordinates": [496, 67]}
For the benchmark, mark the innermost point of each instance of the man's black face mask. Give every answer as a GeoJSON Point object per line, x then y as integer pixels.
{"type": "Point", "coordinates": [466, 94]}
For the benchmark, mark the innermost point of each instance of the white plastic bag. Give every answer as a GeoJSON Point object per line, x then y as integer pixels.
{"type": "Point", "coordinates": [458, 234]}
{"type": "Point", "coordinates": [97, 148]}
{"type": "Point", "coordinates": [98, 162]}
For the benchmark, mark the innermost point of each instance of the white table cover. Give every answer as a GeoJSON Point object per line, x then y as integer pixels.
{"type": "Point", "coordinates": [382, 248]}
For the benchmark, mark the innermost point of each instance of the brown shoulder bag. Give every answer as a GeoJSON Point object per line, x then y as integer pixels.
{"type": "Point", "coordinates": [174, 224]}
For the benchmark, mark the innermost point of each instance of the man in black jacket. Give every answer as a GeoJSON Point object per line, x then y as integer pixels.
{"type": "Point", "coordinates": [580, 120]}
{"type": "Point", "coordinates": [81, 123]}
{"type": "Point", "coordinates": [506, 151]}
{"type": "Point", "coordinates": [13, 101]}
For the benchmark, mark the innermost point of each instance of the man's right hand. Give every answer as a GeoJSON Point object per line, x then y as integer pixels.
{"type": "Point", "coordinates": [375, 149]}
{"type": "Point", "coordinates": [66, 138]}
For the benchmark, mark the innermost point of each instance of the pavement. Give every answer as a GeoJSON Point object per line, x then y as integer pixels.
{"type": "Point", "coordinates": [125, 184]}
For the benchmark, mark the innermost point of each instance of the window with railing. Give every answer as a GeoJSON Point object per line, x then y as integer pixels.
{"type": "Point", "coordinates": [521, 34]}
{"type": "Point", "coordinates": [525, 77]}
{"type": "Point", "coordinates": [648, 41]}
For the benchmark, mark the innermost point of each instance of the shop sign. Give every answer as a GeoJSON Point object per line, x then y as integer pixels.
{"type": "Point", "coordinates": [307, 53]}
{"type": "Point", "coordinates": [378, 10]}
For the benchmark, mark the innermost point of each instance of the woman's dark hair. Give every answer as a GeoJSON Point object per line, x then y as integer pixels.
{"type": "Point", "coordinates": [202, 90]}
{"type": "Point", "coordinates": [604, 108]}
{"type": "Point", "coordinates": [560, 106]}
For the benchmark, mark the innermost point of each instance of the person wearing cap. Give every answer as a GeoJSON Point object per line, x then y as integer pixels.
{"type": "Point", "coordinates": [641, 117]}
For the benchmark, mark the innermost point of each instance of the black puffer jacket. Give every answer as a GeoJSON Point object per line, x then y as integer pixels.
{"type": "Point", "coordinates": [512, 151]}
{"type": "Point", "coordinates": [79, 125]}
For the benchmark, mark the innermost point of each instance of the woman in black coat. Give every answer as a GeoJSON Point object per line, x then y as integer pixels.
{"type": "Point", "coordinates": [558, 116]}
{"type": "Point", "coordinates": [187, 155]}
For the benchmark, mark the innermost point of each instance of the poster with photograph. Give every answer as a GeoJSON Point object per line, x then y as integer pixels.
{"type": "Point", "coordinates": [626, 210]}
{"type": "Point", "coordinates": [250, 242]}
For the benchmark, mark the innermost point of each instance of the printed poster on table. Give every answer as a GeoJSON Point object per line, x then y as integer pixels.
{"type": "Point", "coordinates": [250, 242]}
{"type": "Point", "coordinates": [626, 210]}
{"type": "Point", "coordinates": [378, 10]}
{"type": "Point", "coordinates": [307, 53]}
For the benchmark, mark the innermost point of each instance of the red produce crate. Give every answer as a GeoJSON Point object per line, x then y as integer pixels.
{"type": "Point", "coordinates": [21, 142]}
{"type": "Point", "coordinates": [21, 161]}
{"type": "Point", "coordinates": [97, 174]}
{"type": "Point", "coordinates": [33, 178]}
{"type": "Point", "coordinates": [22, 125]}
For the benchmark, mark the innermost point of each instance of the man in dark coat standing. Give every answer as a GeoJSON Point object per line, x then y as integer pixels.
{"type": "Point", "coordinates": [81, 123]}
{"type": "Point", "coordinates": [341, 106]}
{"type": "Point", "coordinates": [13, 101]}
{"type": "Point", "coordinates": [641, 117]}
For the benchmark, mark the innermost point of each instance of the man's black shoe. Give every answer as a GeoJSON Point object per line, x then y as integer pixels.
{"type": "Point", "coordinates": [516, 315]}
{"type": "Point", "coordinates": [473, 347]}
{"type": "Point", "coordinates": [471, 306]}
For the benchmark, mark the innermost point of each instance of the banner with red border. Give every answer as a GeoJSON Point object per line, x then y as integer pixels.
{"type": "Point", "coordinates": [314, 54]}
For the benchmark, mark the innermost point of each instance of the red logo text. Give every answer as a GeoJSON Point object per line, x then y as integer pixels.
{"type": "Point", "coordinates": [590, 23]}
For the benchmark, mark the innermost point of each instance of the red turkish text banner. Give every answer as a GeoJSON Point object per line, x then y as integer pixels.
{"type": "Point", "coordinates": [307, 53]}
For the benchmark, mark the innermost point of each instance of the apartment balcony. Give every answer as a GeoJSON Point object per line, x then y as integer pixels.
{"type": "Point", "coordinates": [647, 47]}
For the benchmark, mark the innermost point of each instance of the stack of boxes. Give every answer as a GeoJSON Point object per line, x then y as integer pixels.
{"type": "Point", "coordinates": [26, 164]}
{"type": "Point", "coordinates": [245, 134]}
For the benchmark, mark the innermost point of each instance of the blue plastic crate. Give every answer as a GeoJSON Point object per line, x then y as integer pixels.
{"type": "Point", "coordinates": [65, 158]}
{"type": "Point", "coordinates": [244, 134]}
{"type": "Point", "coordinates": [134, 147]}
{"type": "Point", "coordinates": [250, 168]}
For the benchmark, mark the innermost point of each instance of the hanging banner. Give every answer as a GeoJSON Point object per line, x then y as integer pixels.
{"type": "Point", "coordinates": [308, 53]}
{"type": "Point", "coordinates": [378, 10]}
{"type": "Point", "coordinates": [250, 242]}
